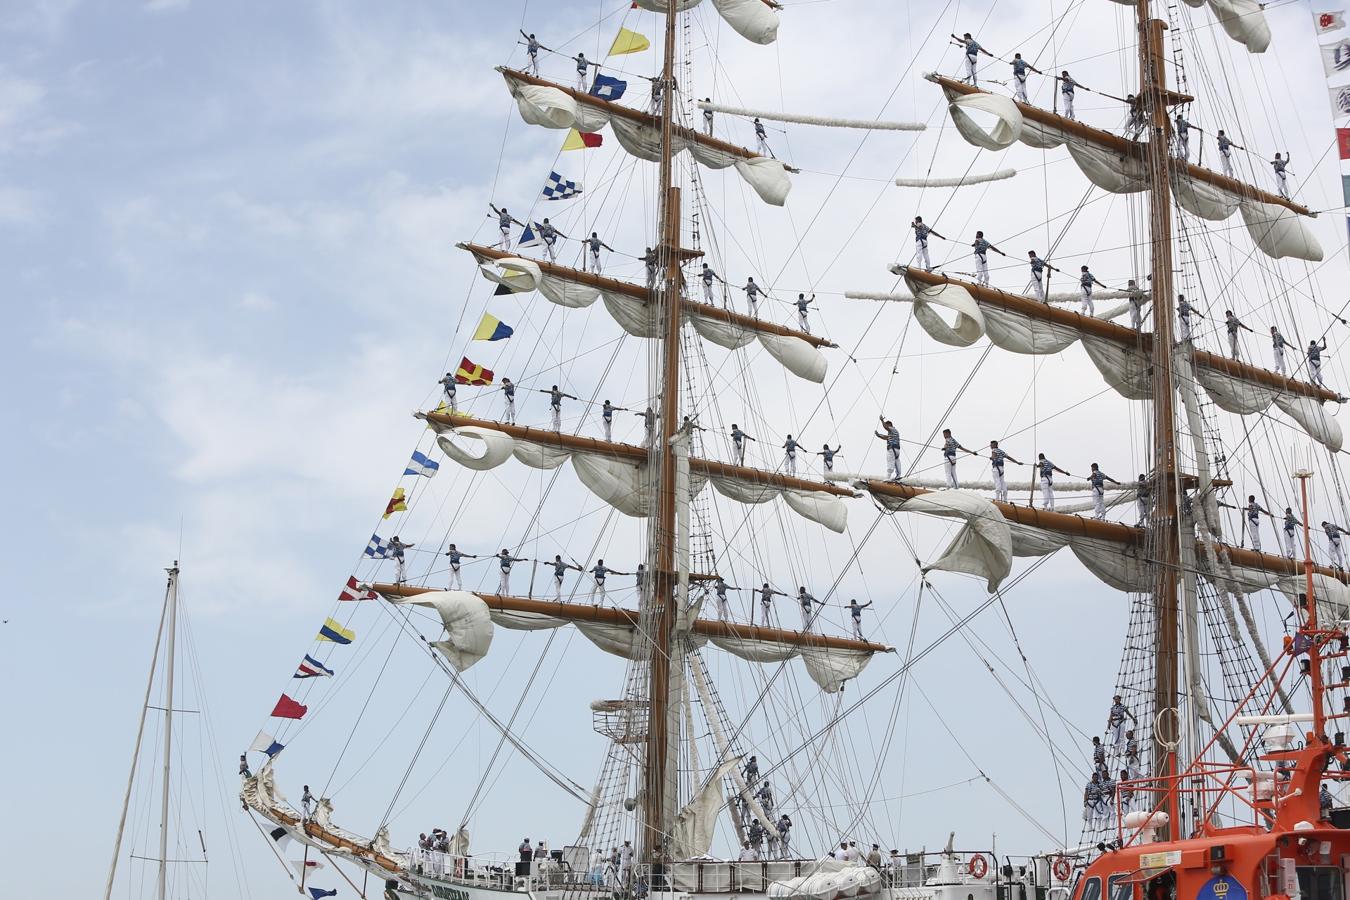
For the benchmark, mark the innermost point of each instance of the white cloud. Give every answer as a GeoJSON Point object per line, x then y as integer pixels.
{"type": "Point", "coordinates": [163, 6]}
{"type": "Point", "coordinates": [257, 301]}
{"type": "Point", "coordinates": [19, 207]}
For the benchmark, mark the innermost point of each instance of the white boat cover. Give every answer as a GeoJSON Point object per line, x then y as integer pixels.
{"type": "Point", "coordinates": [550, 107]}
{"type": "Point", "coordinates": [831, 880]}
{"type": "Point", "coordinates": [468, 626]}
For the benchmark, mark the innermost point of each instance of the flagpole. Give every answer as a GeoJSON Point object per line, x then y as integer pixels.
{"type": "Point", "coordinates": [168, 733]}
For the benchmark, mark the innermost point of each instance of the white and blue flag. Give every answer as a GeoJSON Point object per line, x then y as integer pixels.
{"type": "Point", "coordinates": [560, 188]}
{"type": "Point", "coordinates": [529, 237]}
{"type": "Point", "coordinates": [422, 464]}
{"type": "Point", "coordinates": [378, 548]}
{"type": "Point", "coordinates": [607, 88]}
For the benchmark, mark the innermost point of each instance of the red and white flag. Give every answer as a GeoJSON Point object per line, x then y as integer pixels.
{"type": "Point", "coordinates": [1331, 20]}
{"type": "Point", "coordinates": [357, 591]}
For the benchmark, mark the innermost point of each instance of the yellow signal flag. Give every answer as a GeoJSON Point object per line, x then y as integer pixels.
{"type": "Point", "coordinates": [628, 42]}
{"type": "Point", "coordinates": [578, 140]}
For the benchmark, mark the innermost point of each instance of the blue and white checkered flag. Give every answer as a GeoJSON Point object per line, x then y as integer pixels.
{"type": "Point", "coordinates": [378, 548]}
{"type": "Point", "coordinates": [560, 188]}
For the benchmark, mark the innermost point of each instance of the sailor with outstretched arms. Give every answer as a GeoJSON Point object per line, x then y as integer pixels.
{"type": "Point", "coordinates": [1280, 164]}
{"type": "Point", "coordinates": [1097, 478]}
{"type": "Point", "coordinates": [504, 222]}
{"type": "Point", "coordinates": [1047, 471]}
{"type": "Point", "coordinates": [708, 276]}
{"type": "Point", "coordinates": [1085, 282]}
{"type": "Point", "coordinates": [583, 71]}
{"type": "Point", "coordinates": [1020, 67]}
{"type": "Point", "coordinates": [982, 248]}
{"type": "Point", "coordinates": [1066, 90]}
{"type": "Point", "coordinates": [1289, 531]}
{"type": "Point", "coordinates": [549, 235]}
{"type": "Point", "coordinates": [396, 548]}
{"type": "Point", "coordinates": [790, 455]}
{"type": "Point", "coordinates": [1138, 300]}
{"type": "Point", "coordinates": [949, 447]}
{"type": "Point", "coordinates": [1333, 533]}
{"type": "Point", "coordinates": [921, 233]}
{"type": "Point", "coordinates": [456, 557]}
{"type": "Point", "coordinates": [802, 305]}
{"type": "Point", "coordinates": [766, 595]}
{"type": "Point", "coordinates": [892, 438]}
{"type": "Point", "coordinates": [607, 418]}
{"type": "Point", "coordinates": [1253, 512]}
{"type": "Point", "coordinates": [1315, 351]}
{"type": "Point", "coordinates": [1277, 345]}
{"type": "Point", "coordinates": [509, 392]}
{"type": "Point", "coordinates": [648, 417]}
{"type": "Point", "coordinates": [808, 606]}
{"type": "Point", "coordinates": [595, 245]}
{"type": "Point", "coordinates": [559, 573]}
{"type": "Point", "coordinates": [998, 458]}
{"type": "Point", "coordinates": [827, 456]}
{"type": "Point", "coordinates": [752, 294]}
{"type": "Point", "coordinates": [1183, 133]}
{"type": "Point", "coordinates": [599, 572]}
{"type": "Point", "coordinates": [855, 613]}
{"type": "Point", "coordinates": [1143, 494]}
{"type": "Point", "coordinates": [1038, 270]}
{"type": "Point", "coordinates": [973, 51]}
{"type": "Point", "coordinates": [532, 47]}
{"type": "Point", "coordinates": [738, 439]}
{"type": "Point", "coordinates": [555, 399]}
{"type": "Point", "coordinates": [761, 139]}
{"type": "Point", "coordinates": [1226, 147]}
{"type": "Point", "coordinates": [1232, 324]}
{"type": "Point", "coordinates": [720, 588]}
{"type": "Point", "coordinates": [1184, 313]}
{"type": "Point", "coordinates": [448, 385]}
{"type": "Point", "coordinates": [504, 562]}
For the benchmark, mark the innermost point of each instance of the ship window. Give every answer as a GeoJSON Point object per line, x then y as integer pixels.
{"type": "Point", "coordinates": [1092, 889]}
{"type": "Point", "coordinates": [1320, 883]}
{"type": "Point", "coordinates": [1120, 887]}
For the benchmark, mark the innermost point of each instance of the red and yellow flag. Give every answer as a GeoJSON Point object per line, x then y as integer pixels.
{"type": "Point", "coordinates": [396, 503]}
{"type": "Point", "coordinates": [582, 140]}
{"type": "Point", "coordinates": [472, 373]}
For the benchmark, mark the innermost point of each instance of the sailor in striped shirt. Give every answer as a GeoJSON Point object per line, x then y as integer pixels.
{"type": "Point", "coordinates": [1143, 492]}
{"type": "Point", "coordinates": [1334, 532]}
{"type": "Point", "coordinates": [828, 456]}
{"type": "Point", "coordinates": [456, 557]}
{"type": "Point", "coordinates": [790, 456]}
{"type": "Point", "coordinates": [1020, 67]}
{"type": "Point", "coordinates": [559, 572]}
{"type": "Point", "coordinates": [1097, 478]}
{"type": "Point", "coordinates": [982, 248]}
{"type": "Point", "coordinates": [1278, 343]}
{"type": "Point", "coordinates": [596, 245]}
{"type": "Point", "coordinates": [1315, 351]}
{"type": "Point", "coordinates": [752, 292]}
{"type": "Point", "coordinates": [1184, 310]}
{"type": "Point", "coordinates": [1183, 131]}
{"type": "Point", "coordinates": [1047, 471]}
{"type": "Point", "coordinates": [505, 560]}
{"type": "Point", "coordinates": [1226, 146]}
{"type": "Point", "coordinates": [1291, 524]}
{"type": "Point", "coordinates": [1038, 269]}
{"type": "Point", "coordinates": [973, 51]}
{"type": "Point", "coordinates": [599, 572]}
{"type": "Point", "coordinates": [949, 447]}
{"type": "Point", "coordinates": [738, 439]}
{"type": "Point", "coordinates": [1279, 164]}
{"type": "Point", "coordinates": [708, 276]}
{"type": "Point", "coordinates": [766, 595]}
{"type": "Point", "coordinates": [1254, 511]}
{"type": "Point", "coordinates": [448, 385]}
{"type": "Point", "coordinates": [504, 222]}
{"type": "Point", "coordinates": [892, 439]}
{"type": "Point", "coordinates": [1085, 282]}
{"type": "Point", "coordinates": [396, 548]}
{"type": "Point", "coordinates": [807, 603]}
{"type": "Point", "coordinates": [707, 118]}
{"type": "Point", "coordinates": [1232, 323]}
{"type": "Point", "coordinates": [509, 392]}
{"type": "Point", "coordinates": [802, 305]}
{"type": "Point", "coordinates": [921, 233]}
{"type": "Point", "coordinates": [997, 457]}
{"type": "Point", "coordinates": [720, 588]}
{"type": "Point", "coordinates": [1066, 89]}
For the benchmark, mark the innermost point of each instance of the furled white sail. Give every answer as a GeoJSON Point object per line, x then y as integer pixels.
{"type": "Point", "coordinates": [618, 482]}
{"type": "Point", "coordinates": [692, 834]}
{"type": "Point", "coordinates": [1279, 232]}
{"type": "Point", "coordinates": [1243, 20]}
{"type": "Point", "coordinates": [1313, 418]}
{"type": "Point", "coordinates": [796, 355]}
{"type": "Point", "coordinates": [968, 324]}
{"type": "Point", "coordinates": [983, 546]}
{"type": "Point", "coordinates": [753, 20]}
{"type": "Point", "coordinates": [468, 626]}
{"type": "Point", "coordinates": [565, 292]}
{"type": "Point", "coordinates": [961, 181]}
{"type": "Point", "coordinates": [497, 447]}
{"type": "Point", "coordinates": [540, 456]}
{"type": "Point", "coordinates": [801, 119]}
{"type": "Point", "coordinates": [977, 129]}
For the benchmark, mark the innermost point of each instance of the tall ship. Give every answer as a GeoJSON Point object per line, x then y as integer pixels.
{"type": "Point", "coordinates": [1217, 772]}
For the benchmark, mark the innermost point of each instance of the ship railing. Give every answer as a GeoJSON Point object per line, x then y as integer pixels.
{"type": "Point", "coordinates": [1210, 783]}
{"type": "Point", "coordinates": [500, 871]}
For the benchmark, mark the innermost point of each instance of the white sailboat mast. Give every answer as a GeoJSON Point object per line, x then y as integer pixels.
{"type": "Point", "coordinates": [163, 882]}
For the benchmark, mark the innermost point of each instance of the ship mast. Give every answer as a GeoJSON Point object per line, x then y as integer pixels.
{"type": "Point", "coordinates": [662, 600]}
{"type": "Point", "coordinates": [1165, 525]}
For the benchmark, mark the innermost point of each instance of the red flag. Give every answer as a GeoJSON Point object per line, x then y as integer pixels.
{"type": "Point", "coordinates": [287, 708]}
{"type": "Point", "coordinates": [354, 591]}
{"type": "Point", "coordinates": [470, 372]}
{"type": "Point", "coordinates": [582, 140]}
{"type": "Point", "coordinates": [1343, 142]}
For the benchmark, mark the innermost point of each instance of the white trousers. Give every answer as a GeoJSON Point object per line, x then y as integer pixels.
{"type": "Point", "coordinates": [790, 463]}
{"type": "Point", "coordinates": [857, 628]}
{"type": "Point", "coordinates": [1315, 369]}
{"type": "Point", "coordinates": [1085, 304]}
{"type": "Point", "coordinates": [1226, 162]}
{"type": "Point", "coordinates": [609, 428]}
{"type": "Point", "coordinates": [456, 582]}
{"type": "Point", "coordinates": [982, 269]}
{"type": "Point", "coordinates": [557, 587]}
{"type": "Point", "coordinates": [1117, 730]}
{"type": "Point", "coordinates": [1000, 486]}
{"type": "Point", "coordinates": [1098, 503]}
{"type": "Point", "coordinates": [764, 612]}
{"type": "Point", "coordinates": [739, 451]}
{"type": "Point", "coordinates": [762, 145]}
{"type": "Point", "coordinates": [1288, 542]}
{"type": "Point", "coordinates": [533, 66]}
{"type": "Point", "coordinates": [1141, 505]}
{"type": "Point", "coordinates": [1334, 544]}
{"type": "Point", "coordinates": [708, 125]}
{"type": "Point", "coordinates": [802, 323]}
{"type": "Point", "coordinates": [505, 241]}
{"type": "Point", "coordinates": [450, 399]}
{"type": "Point", "coordinates": [921, 254]}
{"type": "Point", "coordinates": [1279, 360]}
{"type": "Point", "coordinates": [504, 582]}
{"type": "Point", "coordinates": [600, 587]}
{"type": "Point", "coordinates": [550, 247]}
{"type": "Point", "coordinates": [1038, 287]}
{"type": "Point", "coordinates": [1254, 532]}
{"type": "Point", "coordinates": [1047, 493]}
{"type": "Point", "coordinates": [555, 413]}
{"type": "Point", "coordinates": [1184, 328]}
{"type": "Point", "coordinates": [1233, 344]}
{"type": "Point", "coordinates": [707, 290]}
{"type": "Point", "coordinates": [1136, 317]}
{"type": "Point", "coordinates": [1282, 181]}
{"type": "Point", "coordinates": [806, 618]}
{"type": "Point", "coordinates": [1020, 88]}
{"type": "Point", "coordinates": [753, 303]}
{"type": "Point", "coordinates": [970, 68]}
{"type": "Point", "coordinates": [595, 261]}
{"type": "Point", "coordinates": [581, 81]}
{"type": "Point", "coordinates": [1184, 146]}
{"type": "Point", "coordinates": [400, 570]}
{"type": "Point", "coordinates": [1068, 104]}
{"type": "Point", "coordinates": [723, 609]}
{"type": "Point", "coordinates": [511, 410]}
{"type": "Point", "coordinates": [949, 468]}
{"type": "Point", "coordinates": [893, 462]}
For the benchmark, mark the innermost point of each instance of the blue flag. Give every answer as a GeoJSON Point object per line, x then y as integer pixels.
{"type": "Point", "coordinates": [378, 548]}
{"type": "Point", "coordinates": [421, 464]}
{"type": "Point", "coordinates": [320, 893]}
{"type": "Point", "coordinates": [607, 88]}
{"type": "Point", "coordinates": [529, 237]}
{"type": "Point", "coordinates": [560, 188]}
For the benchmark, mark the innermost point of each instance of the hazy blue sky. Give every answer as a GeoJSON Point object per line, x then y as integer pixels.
{"type": "Point", "coordinates": [226, 251]}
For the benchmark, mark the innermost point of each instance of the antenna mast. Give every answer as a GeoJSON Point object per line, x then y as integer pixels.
{"type": "Point", "coordinates": [168, 734]}
{"type": "Point", "coordinates": [1165, 526]}
{"type": "Point", "coordinates": [652, 840]}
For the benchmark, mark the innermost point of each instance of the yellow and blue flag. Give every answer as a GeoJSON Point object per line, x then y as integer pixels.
{"type": "Point", "coordinates": [492, 328]}
{"type": "Point", "coordinates": [332, 631]}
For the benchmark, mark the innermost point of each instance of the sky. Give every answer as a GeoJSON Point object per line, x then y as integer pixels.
{"type": "Point", "coordinates": [227, 247]}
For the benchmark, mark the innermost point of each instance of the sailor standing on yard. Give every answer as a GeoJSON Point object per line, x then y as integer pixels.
{"type": "Point", "coordinates": [649, 259]}
{"type": "Point", "coordinates": [827, 456]}
{"type": "Point", "coordinates": [648, 417]}
{"type": "Point", "coordinates": [973, 51]}
{"type": "Point", "coordinates": [802, 305]}
{"type": "Point", "coordinates": [720, 588]}
{"type": "Point", "coordinates": [738, 439]}
{"type": "Point", "coordinates": [707, 118]}
{"type": "Point", "coordinates": [1226, 146]}
{"type": "Point", "coordinates": [1085, 282]}
{"type": "Point", "coordinates": [766, 595]}
{"type": "Point", "coordinates": [1038, 270]}
{"type": "Point", "coordinates": [509, 392]}
{"type": "Point", "coordinates": [607, 418]}
{"type": "Point", "coordinates": [559, 573]}
{"type": "Point", "coordinates": [1020, 67]}
{"type": "Point", "coordinates": [1047, 471]}
{"type": "Point", "coordinates": [982, 248]}
{"type": "Point", "coordinates": [1066, 89]}
{"type": "Point", "coordinates": [1315, 351]}
{"type": "Point", "coordinates": [997, 458]}
{"type": "Point", "coordinates": [708, 276]}
{"type": "Point", "coordinates": [761, 139]}
{"type": "Point", "coordinates": [549, 235]}
{"type": "Point", "coordinates": [1232, 323]}
{"type": "Point", "coordinates": [1277, 344]}
{"type": "Point", "coordinates": [1254, 511]}
{"type": "Point", "coordinates": [1289, 530]}
{"type": "Point", "coordinates": [1184, 311]}
{"type": "Point", "coordinates": [595, 244]}
{"type": "Point", "coordinates": [532, 50]}
{"type": "Point", "coordinates": [396, 548]}
{"type": "Point", "coordinates": [1334, 532]}
{"type": "Point", "coordinates": [892, 439]}
{"type": "Point", "coordinates": [855, 613]}
{"type": "Point", "coordinates": [1280, 164]}
{"type": "Point", "coordinates": [448, 385]}
{"type": "Point", "coordinates": [504, 222]}
{"type": "Point", "coordinates": [807, 603]}
{"type": "Point", "coordinates": [1143, 492]}
{"type": "Point", "coordinates": [1137, 301]}
{"type": "Point", "coordinates": [555, 399]}
{"type": "Point", "coordinates": [456, 557]}
{"type": "Point", "coordinates": [752, 292]}
{"type": "Point", "coordinates": [1183, 133]}
{"type": "Point", "coordinates": [921, 233]}
{"type": "Point", "coordinates": [1097, 478]}
{"type": "Point", "coordinates": [583, 71]}
{"type": "Point", "coordinates": [949, 447]}
{"type": "Point", "coordinates": [505, 561]}
{"type": "Point", "coordinates": [790, 456]}
{"type": "Point", "coordinates": [599, 572]}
